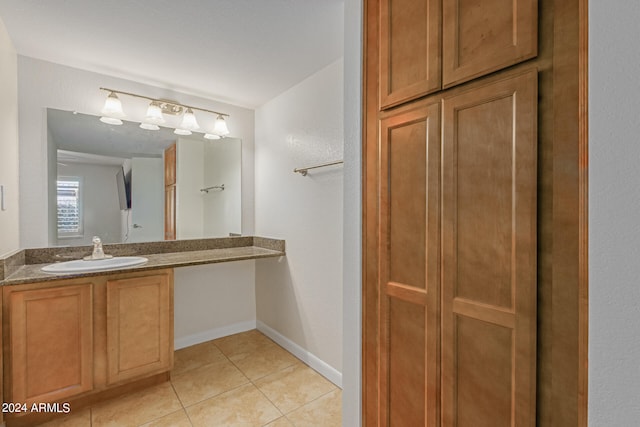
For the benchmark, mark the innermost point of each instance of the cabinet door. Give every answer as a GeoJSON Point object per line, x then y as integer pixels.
{"type": "Point", "coordinates": [409, 268]}
{"type": "Point", "coordinates": [170, 165]}
{"type": "Point", "coordinates": [481, 36]}
{"type": "Point", "coordinates": [489, 255]}
{"type": "Point", "coordinates": [139, 326]}
{"type": "Point", "coordinates": [51, 343]}
{"type": "Point", "coordinates": [409, 49]}
{"type": "Point", "coordinates": [170, 212]}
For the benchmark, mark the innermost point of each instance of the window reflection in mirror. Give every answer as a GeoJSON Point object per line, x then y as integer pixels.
{"type": "Point", "coordinates": [121, 171]}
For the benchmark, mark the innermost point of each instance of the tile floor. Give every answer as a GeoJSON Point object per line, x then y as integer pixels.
{"type": "Point", "coordinates": [239, 380]}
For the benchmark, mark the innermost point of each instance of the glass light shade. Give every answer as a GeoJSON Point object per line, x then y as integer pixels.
{"type": "Point", "coordinates": [113, 107]}
{"type": "Point", "coordinates": [149, 126]}
{"type": "Point", "coordinates": [220, 127]}
{"type": "Point", "coordinates": [111, 120]}
{"type": "Point", "coordinates": [182, 132]}
{"type": "Point", "coordinates": [154, 113]}
{"type": "Point", "coordinates": [211, 136]}
{"type": "Point", "coordinates": [189, 121]}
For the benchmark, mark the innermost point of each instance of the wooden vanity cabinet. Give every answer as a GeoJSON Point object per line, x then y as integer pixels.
{"type": "Point", "coordinates": [49, 342]}
{"type": "Point", "coordinates": [139, 326]}
{"type": "Point", "coordinates": [75, 338]}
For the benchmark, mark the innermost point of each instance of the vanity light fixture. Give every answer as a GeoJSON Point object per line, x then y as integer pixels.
{"type": "Point", "coordinates": [149, 126]}
{"type": "Point", "coordinates": [112, 114]}
{"type": "Point", "coordinates": [220, 127]}
{"type": "Point", "coordinates": [112, 110]}
{"type": "Point", "coordinates": [189, 123]}
{"type": "Point", "coordinates": [154, 113]}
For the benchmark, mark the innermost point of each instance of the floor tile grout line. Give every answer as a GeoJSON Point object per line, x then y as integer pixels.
{"type": "Point", "coordinates": [159, 418]}
{"type": "Point", "coordinates": [217, 395]}
{"type": "Point", "coordinates": [176, 393]}
{"type": "Point", "coordinates": [311, 401]}
{"type": "Point", "coordinates": [270, 401]}
{"type": "Point", "coordinates": [188, 417]}
{"type": "Point", "coordinates": [250, 381]}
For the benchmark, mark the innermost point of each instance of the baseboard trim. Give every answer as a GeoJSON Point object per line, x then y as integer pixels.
{"type": "Point", "coordinates": [213, 334]}
{"type": "Point", "coordinates": [314, 362]}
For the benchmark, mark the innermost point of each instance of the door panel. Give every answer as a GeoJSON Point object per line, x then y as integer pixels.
{"type": "Point", "coordinates": [170, 212]}
{"type": "Point", "coordinates": [51, 348]}
{"type": "Point", "coordinates": [409, 278]}
{"type": "Point", "coordinates": [147, 205]}
{"type": "Point", "coordinates": [409, 49]}
{"type": "Point", "coordinates": [489, 254]}
{"type": "Point", "coordinates": [481, 36]}
{"type": "Point", "coordinates": [139, 326]}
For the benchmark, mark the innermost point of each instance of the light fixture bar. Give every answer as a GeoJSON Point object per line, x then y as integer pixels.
{"type": "Point", "coordinates": [163, 101]}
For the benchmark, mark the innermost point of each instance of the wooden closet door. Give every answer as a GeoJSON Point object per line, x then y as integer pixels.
{"type": "Point", "coordinates": [482, 36]}
{"type": "Point", "coordinates": [409, 50]}
{"type": "Point", "coordinates": [489, 255]}
{"type": "Point", "coordinates": [408, 269]}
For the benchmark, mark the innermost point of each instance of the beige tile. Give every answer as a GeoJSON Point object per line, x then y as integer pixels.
{"type": "Point", "coordinates": [280, 422]}
{"type": "Point", "coordinates": [207, 381]}
{"type": "Point", "coordinates": [137, 408]}
{"type": "Point", "coordinates": [176, 419]}
{"type": "Point", "coordinates": [293, 387]}
{"type": "Point", "coordinates": [80, 418]}
{"type": "Point", "coordinates": [242, 344]}
{"type": "Point", "coordinates": [268, 360]}
{"type": "Point", "coordinates": [325, 411]}
{"type": "Point", "coordinates": [196, 356]}
{"type": "Point", "coordinates": [244, 406]}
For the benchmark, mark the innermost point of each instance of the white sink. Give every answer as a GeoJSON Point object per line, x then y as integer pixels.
{"type": "Point", "coordinates": [85, 266]}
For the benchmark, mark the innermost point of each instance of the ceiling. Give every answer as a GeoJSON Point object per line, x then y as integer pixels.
{"type": "Point", "coordinates": [244, 52]}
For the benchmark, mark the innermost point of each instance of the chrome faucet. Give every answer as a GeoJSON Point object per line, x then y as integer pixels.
{"type": "Point", "coordinates": [98, 253]}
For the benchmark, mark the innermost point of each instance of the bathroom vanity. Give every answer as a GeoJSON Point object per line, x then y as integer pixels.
{"type": "Point", "coordinates": [79, 338]}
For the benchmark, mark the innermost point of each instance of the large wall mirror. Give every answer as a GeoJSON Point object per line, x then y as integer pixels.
{"type": "Point", "coordinates": [109, 182]}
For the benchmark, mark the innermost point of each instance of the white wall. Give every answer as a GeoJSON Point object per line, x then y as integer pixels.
{"type": "Point", "coordinates": [214, 300]}
{"type": "Point", "coordinates": [100, 206]}
{"type": "Point", "coordinates": [300, 297]}
{"type": "Point", "coordinates": [46, 85]}
{"type": "Point", "coordinates": [614, 213]}
{"type": "Point", "coordinates": [222, 209]}
{"type": "Point", "coordinates": [352, 313]}
{"type": "Point", "coordinates": [9, 218]}
{"type": "Point", "coordinates": [189, 179]}
{"type": "Point", "coordinates": [203, 164]}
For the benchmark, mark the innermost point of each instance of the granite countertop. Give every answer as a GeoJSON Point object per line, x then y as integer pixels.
{"type": "Point", "coordinates": [25, 266]}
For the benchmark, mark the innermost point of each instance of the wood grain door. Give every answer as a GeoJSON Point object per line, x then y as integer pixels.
{"type": "Point", "coordinates": [170, 158]}
{"type": "Point", "coordinates": [139, 326]}
{"type": "Point", "coordinates": [409, 268]}
{"type": "Point", "coordinates": [481, 36]}
{"type": "Point", "coordinates": [489, 255]}
{"type": "Point", "coordinates": [170, 212]}
{"type": "Point", "coordinates": [51, 343]}
{"type": "Point", "coordinates": [170, 165]}
{"type": "Point", "coordinates": [409, 49]}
